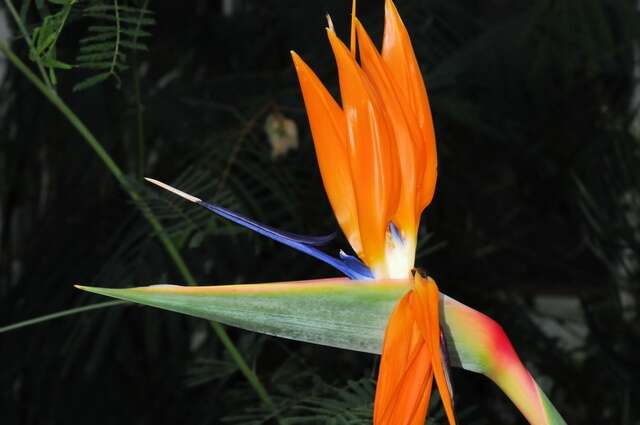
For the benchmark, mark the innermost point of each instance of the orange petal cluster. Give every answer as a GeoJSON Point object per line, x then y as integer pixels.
{"type": "Point", "coordinates": [378, 161]}
{"type": "Point", "coordinates": [376, 151]}
{"type": "Point", "coordinates": [411, 359]}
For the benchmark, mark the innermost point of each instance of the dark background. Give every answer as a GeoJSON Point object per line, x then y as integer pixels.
{"type": "Point", "coordinates": [535, 219]}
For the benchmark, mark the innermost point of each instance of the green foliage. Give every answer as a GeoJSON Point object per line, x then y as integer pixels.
{"type": "Point", "coordinates": [351, 403]}
{"type": "Point", "coordinates": [45, 38]}
{"type": "Point", "coordinates": [610, 204]}
{"type": "Point", "coordinates": [115, 31]}
{"type": "Point", "coordinates": [306, 398]}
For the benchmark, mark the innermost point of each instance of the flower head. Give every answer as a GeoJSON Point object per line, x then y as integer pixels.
{"type": "Point", "coordinates": [377, 157]}
{"type": "Point", "coordinates": [377, 151]}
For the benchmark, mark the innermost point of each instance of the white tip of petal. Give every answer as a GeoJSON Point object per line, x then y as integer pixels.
{"type": "Point", "coordinates": [330, 23]}
{"type": "Point", "coordinates": [174, 190]}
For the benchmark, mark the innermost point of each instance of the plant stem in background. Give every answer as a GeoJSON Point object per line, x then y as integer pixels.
{"type": "Point", "coordinates": [139, 118]}
{"type": "Point", "coordinates": [138, 99]}
{"type": "Point", "coordinates": [59, 314]}
{"type": "Point", "coordinates": [168, 244]}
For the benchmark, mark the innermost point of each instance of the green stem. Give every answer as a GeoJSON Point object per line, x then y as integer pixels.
{"type": "Point", "coordinates": [114, 60]}
{"type": "Point", "coordinates": [249, 374]}
{"type": "Point", "coordinates": [168, 244]}
{"type": "Point", "coordinates": [139, 118]}
{"type": "Point", "coordinates": [138, 97]}
{"type": "Point", "coordinates": [59, 314]}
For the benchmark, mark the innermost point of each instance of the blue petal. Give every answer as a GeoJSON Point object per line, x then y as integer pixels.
{"type": "Point", "coordinates": [271, 232]}
{"type": "Point", "coordinates": [349, 266]}
{"type": "Point", "coordinates": [395, 233]}
{"type": "Point", "coordinates": [356, 265]}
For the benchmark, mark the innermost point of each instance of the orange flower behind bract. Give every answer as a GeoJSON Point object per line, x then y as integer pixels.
{"type": "Point", "coordinates": [411, 359]}
{"type": "Point", "coordinates": [377, 152]}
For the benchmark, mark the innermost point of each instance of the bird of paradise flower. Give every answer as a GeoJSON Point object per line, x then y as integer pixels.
{"type": "Point", "coordinates": [378, 162]}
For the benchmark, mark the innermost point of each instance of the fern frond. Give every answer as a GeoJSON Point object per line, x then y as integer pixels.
{"type": "Point", "coordinates": [125, 19]}
{"type": "Point", "coordinates": [98, 37]}
{"type": "Point", "coordinates": [99, 56]}
{"type": "Point", "coordinates": [110, 8]}
{"type": "Point", "coordinates": [117, 29]}
{"type": "Point", "coordinates": [99, 47]}
{"type": "Point", "coordinates": [106, 65]}
{"type": "Point", "coordinates": [107, 29]}
{"type": "Point", "coordinates": [92, 81]}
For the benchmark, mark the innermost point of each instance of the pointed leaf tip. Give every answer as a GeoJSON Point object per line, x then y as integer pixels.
{"type": "Point", "coordinates": [110, 292]}
{"type": "Point", "coordinates": [84, 288]}
{"type": "Point", "coordinates": [335, 312]}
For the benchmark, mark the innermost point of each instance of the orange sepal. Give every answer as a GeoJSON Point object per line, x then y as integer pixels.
{"type": "Point", "coordinates": [372, 154]}
{"type": "Point", "coordinates": [404, 127]}
{"type": "Point", "coordinates": [411, 359]}
{"type": "Point", "coordinates": [405, 372]}
{"type": "Point", "coordinates": [329, 131]}
{"type": "Point", "coordinates": [399, 56]}
{"type": "Point", "coordinates": [425, 308]}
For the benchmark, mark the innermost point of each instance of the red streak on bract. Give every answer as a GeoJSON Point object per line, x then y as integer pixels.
{"type": "Point", "coordinates": [506, 369]}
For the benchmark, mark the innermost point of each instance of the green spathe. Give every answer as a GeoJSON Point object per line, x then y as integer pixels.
{"type": "Point", "coordinates": [335, 312]}
{"type": "Point", "coordinates": [340, 313]}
